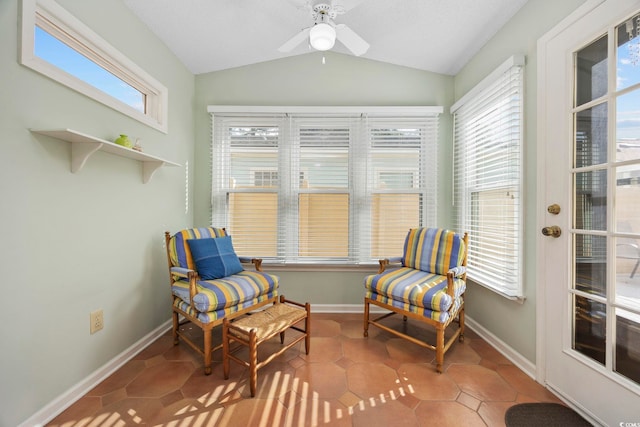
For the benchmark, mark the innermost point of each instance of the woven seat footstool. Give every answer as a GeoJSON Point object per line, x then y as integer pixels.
{"type": "Point", "coordinates": [253, 330]}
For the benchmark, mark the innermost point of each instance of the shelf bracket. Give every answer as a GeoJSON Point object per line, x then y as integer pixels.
{"type": "Point", "coordinates": [149, 168]}
{"type": "Point", "coordinates": [83, 146]}
{"type": "Point", "coordinates": [80, 152]}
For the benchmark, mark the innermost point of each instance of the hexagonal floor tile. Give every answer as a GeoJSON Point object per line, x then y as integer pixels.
{"type": "Point", "coordinates": [481, 383]}
{"type": "Point", "coordinates": [160, 379]}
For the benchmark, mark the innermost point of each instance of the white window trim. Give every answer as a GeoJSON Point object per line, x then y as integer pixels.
{"type": "Point", "coordinates": [400, 111]}
{"type": "Point", "coordinates": [518, 59]}
{"type": "Point", "coordinates": [103, 53]}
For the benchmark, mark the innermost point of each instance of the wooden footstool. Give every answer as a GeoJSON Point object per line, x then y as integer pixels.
{"type": "Point", "coordinates": [253, 330]}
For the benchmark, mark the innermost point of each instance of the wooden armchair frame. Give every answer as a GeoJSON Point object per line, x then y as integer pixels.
{"type": "Point", "coordinates": [207, 328]}
{"type": "Point", "coordinates": [456, 313]}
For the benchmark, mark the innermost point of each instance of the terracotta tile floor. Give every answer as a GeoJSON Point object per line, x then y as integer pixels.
{"type": "Point", "coordinates": [346, 380]}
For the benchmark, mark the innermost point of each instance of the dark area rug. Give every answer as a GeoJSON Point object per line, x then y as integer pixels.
{"type": "Point", "coordinates": [543, 414]}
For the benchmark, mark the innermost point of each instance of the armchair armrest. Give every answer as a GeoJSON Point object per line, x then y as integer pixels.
{"type": "Point", "coordinates": [180, 272]}
{"type": "Point", "coordinates": [257, 262]}
{"type": "Point", "coordinates": [458, 271]}
{"type": "Point", "coordinates": [386, 261]}
{"type": "Point", "coordinates": [189, 274]}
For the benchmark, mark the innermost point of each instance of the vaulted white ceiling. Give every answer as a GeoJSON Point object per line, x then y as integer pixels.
{"type": "Point", "coordinates": [433, 35]}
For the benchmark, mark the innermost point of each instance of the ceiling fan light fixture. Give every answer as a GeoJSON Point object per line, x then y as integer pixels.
{"type": "Point", "coordinates": [322, 36]}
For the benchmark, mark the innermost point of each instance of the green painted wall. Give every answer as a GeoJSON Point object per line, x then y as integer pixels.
{"type": "Point", "coordinates": [510, 321]}
{"type": "Point", "coordinates": [74, 243]}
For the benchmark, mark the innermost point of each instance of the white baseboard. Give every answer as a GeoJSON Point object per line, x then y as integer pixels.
{"type": "Point", "coordinates": [343, 308]}
{"type": "Point", "coordinates": [68, 398]}
{"type": "Point", "coordinates": [516, 358]}
{"type": "Point", "coordinates": [72, 395]}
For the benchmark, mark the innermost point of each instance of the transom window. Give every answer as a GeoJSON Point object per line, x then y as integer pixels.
{"type": "Point", "coordinates": [58, 45]}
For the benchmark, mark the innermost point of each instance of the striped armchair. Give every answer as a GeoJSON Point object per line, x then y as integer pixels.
{"type": "Point", "coordinates": [427, 284]}
{"type": "Point", "coordinates": [209, 283]}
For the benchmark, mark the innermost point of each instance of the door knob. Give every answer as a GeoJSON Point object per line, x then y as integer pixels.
{"type": "Point", "coordinates": [554, 209]}
{"type": "Point", "coordinates": [553, 231]}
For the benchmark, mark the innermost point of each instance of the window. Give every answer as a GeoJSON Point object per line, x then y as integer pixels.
{"type": "Point", "coordinates": [488, 176]}
{"type": "Point", "coordinates": [61, 47]}
{"type": "Point", "coordinates": [265, 178]}
{"type": "Point", "coordinates": [338, 187]}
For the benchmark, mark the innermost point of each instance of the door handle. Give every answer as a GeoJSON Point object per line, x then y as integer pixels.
{"type": "Point", "coordinates": [553, 231]}
{"type": "Point", "coordinates": [553, 209]}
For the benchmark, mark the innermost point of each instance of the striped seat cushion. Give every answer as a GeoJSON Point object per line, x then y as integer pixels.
{"type": "Point", "coordinates": [228, 292]}
{"type": "Point", "coordinates": [438, 316]}
{"type": "Point", "coordinates": [179, 251]}
{"type": "Point", "coordinates": [408, 287]}
{"type": "Point", "coordinates": [433, 250]}
{"type": "Point", "coordinates": [212, 316]}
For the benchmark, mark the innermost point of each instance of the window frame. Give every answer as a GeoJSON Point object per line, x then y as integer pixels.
{"type": "Point", "coordinates": [362, 114]}
{"type": "Point", "coordinates": [414, 175]}
{"type": "Point", "coordinates": [464, 191]}
{"type": "Point", "coordinates": [68, 29]}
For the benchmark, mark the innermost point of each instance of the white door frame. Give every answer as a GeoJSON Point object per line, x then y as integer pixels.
{"type": "Point", "coordinates": [549, 101]}
{"type": "Point", "coordinates": [541, 198]}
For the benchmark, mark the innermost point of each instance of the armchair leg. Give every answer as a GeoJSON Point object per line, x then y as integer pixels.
{"type": "Point", "coordinates": [439, 348]}
{"type": "Point", "coordinates": [176, 325]}
{"type": "Point", "coordinates": [207, 351]}
{"type": "Point", "coordinates": [225, 348]}
{"type": "Point", "coordinates": [307, 328]}
{"type": "Point", "coordinates": [635, 268]}
{"type": "Point", "coordinates": [461, 318]}
{"type": "Point", "coordinates": [366, 318]}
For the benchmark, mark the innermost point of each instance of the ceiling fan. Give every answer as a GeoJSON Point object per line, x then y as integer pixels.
{"type": "Point", "coordinates": [324, 32]}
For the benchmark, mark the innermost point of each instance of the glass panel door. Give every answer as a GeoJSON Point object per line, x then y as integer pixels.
{"type": "Point", "coordinates": [605, 288]}
{"type": "Point", "coordinates": [626, 359]}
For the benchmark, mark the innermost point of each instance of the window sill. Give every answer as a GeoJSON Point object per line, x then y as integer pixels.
{"type": "Point", "coordinates": [518, 299]}
{"type": "Point", "coordinates": [326, 268]}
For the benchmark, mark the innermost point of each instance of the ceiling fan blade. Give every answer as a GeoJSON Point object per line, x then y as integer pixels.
{"type": "Point", "coordinates": [294, 41]}
{"type": "Point", "coordinates": [351, 40]}
{"type": "Point", "coordinates": [343, 6]}
{"type": "Point", "coordinates": [301, 4]}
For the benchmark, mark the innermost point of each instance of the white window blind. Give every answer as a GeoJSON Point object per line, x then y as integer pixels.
{"type": "Point", "coordinates": [245, 181]}
{"type": "Point", "coordinates": [487, 168]}
{"type": "Point", "coordinates": [404, 180]}
{"type": "Point", "coordinates": [323, 188]}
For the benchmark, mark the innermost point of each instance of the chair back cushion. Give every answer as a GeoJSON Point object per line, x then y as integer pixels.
{"type": "Point", "coordinates": [433, 250]}
{"type": "Point", "coordinates": [179, 251]}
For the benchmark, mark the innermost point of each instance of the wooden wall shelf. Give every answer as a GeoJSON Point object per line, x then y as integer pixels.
{"type": "Point", "coordinates": [83, 146]}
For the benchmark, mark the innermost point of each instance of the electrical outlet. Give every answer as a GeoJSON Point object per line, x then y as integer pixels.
{"type": "Point", "coordinates": [97, 321]}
